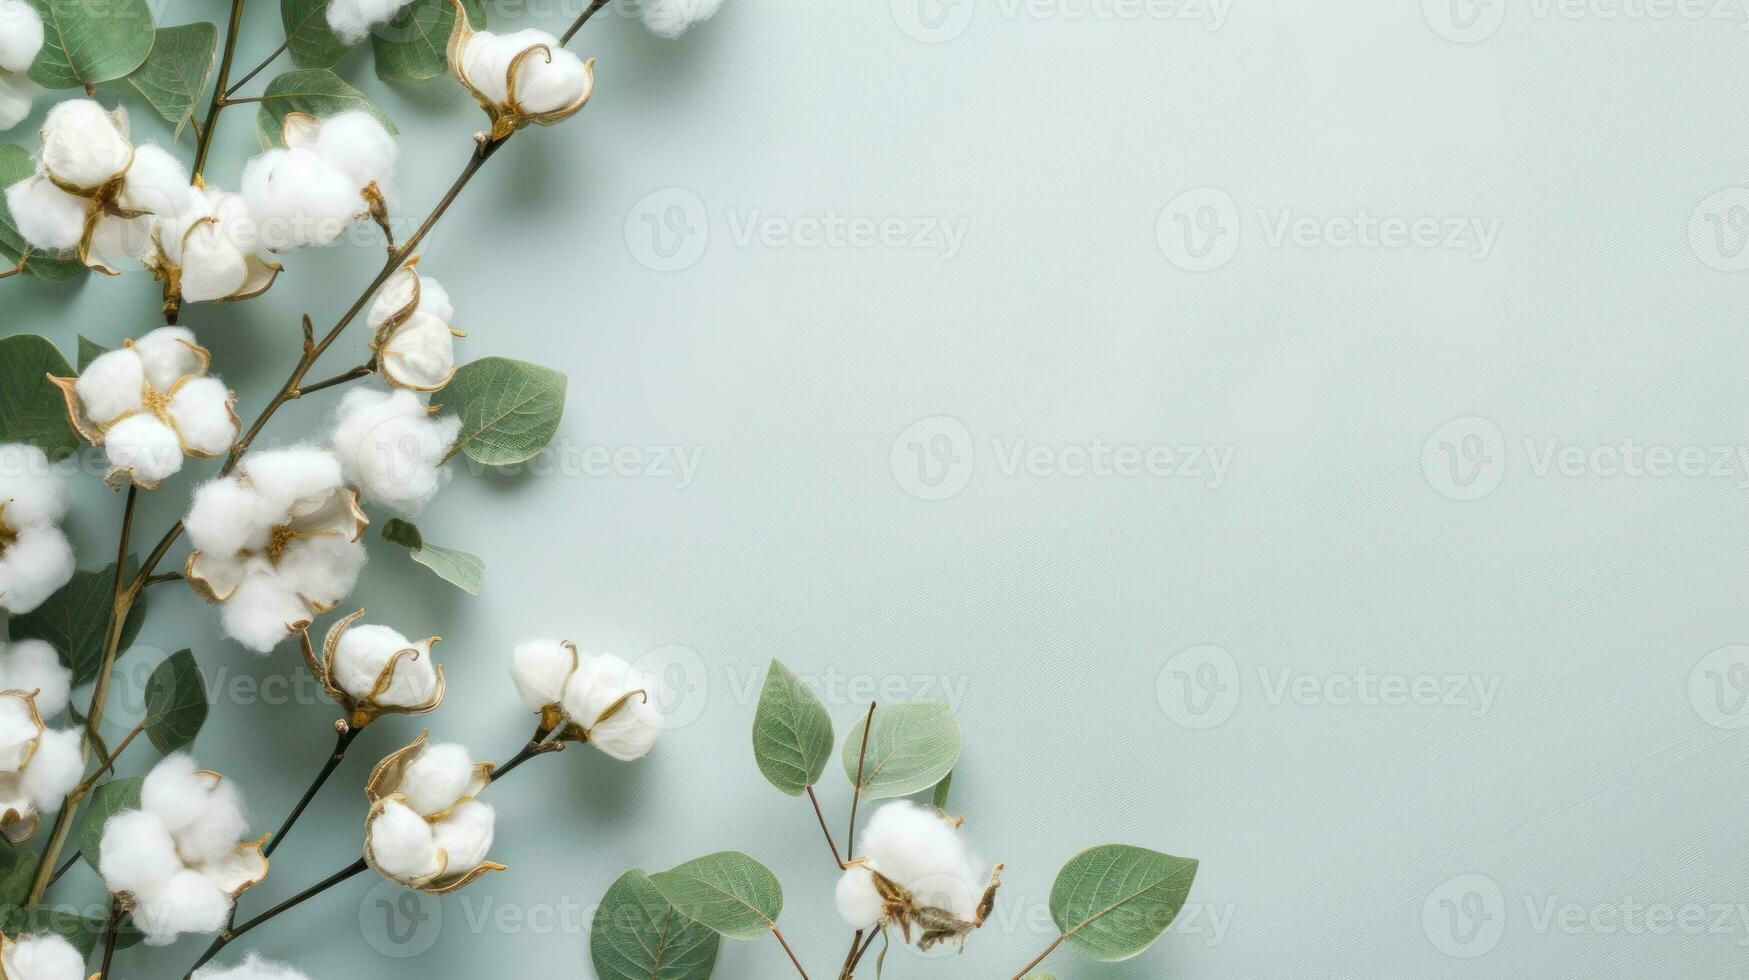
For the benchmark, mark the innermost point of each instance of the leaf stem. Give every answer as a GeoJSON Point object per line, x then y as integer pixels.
{"type": "Point", "coordinates": [791, 952]}
{"type": "Point", "coordinates": [110, 928]}
{"type": "Point", "coordinates": [856, 796]}
{"type": "Point", "coordinates": [1041, 957]}
{"type": "Point", "coordinates": [206, 132]}
{"type": "Point", "coordinates": [857, 953]}
{"type": "Point", "coordinates": [836, 856]}
{"type": "Point", "coordinates": [362, 371]}
{"type": "Point", "coordinates": [541, 744]}
{"type": "Point", "coordinates": [231, 935]}
{"type": "Point", "coordinates": [270, 59]}
{"type": "Point", "coordinates": [109, 763]}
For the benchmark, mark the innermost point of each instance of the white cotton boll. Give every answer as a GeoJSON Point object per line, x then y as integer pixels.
{"type": "Point", "coordinates": [859, 901]}
{"type": "Point", "coordinates": [295, 481]}
{"type": "Point", "coordinates": [671, 18]}
{"type": "Point", "coordinates": [402, 844]}
{"type": "Point", "coordinates": [120, 244]}
{"type": "Point", "coordinates": [189, 902]}
{"type": "Point", "coordinates": [30, 490]}
{"type": "Point", "coordinates": [176, 791]}
{"type": "Point", "coordinates": [297, 198]}
{"type": "Point", "coordinates": [465, 836]}
{"type": "Point", "coordinates": [421, 354]}
{"type": "Point", "coordinates": [168, 355]}
{"type": "Point", "coordinates": [33, 665]}
{"type": "Point", "coordinates": [48, 217]}
{"type": "Point", "coordinates": [82, 144]}
{"type": "Point", "coordinates": [202, 410]}
{"type": "Point", "coordinates": [601, 682]}
{"type": "Point", "coordinates": [225, 518]}
{"type": "Point", "coordinates": [44, 956]}
{"type": "Point", "coordinates": [19, 730]}
{"type": "Point", "coordinates": [34, 567]}
{"type": "Point", "coordinates": [914, 847]}
{"type": "Point", "coordinates": [398, 292]}
{"type": "Point", "coordinates": [543, 83]}
{"type": "Point", "coordinates": [55, 769]}
{"type": "Point", "coordinates": [540, 669]}
{"type": "Point", "coordinates": [363, 652]}
{"type": "Point", "coordinates": [145, 447]}
{"type": "Point", "coordinates": [437, 777]}
{"type": "Point", "coordinates": [159, 183]}
{"type": "Point", "coordinates": [16, 94]}
{"type": "Point", "coordinates": [262, 611]}
{"type": "Point", "coordinates": [211, 268]}
{"type": "Point", "coordinates": [217, 828]}
{"type": "Point", "coordinates": [111, 385]}
{"type": "Point", "coordinates": [253, 968]}
{"type": "Point", "coordinates": [137, 854]}
{"type": "Point", "coordinates": [21, 35]}
{"type": "Point", "coordinates": [359, 145]}
{"type": "Point", "coordinates": [391, 447]}
{"type": "Point", "coordinates": [353, 19]}
{"type": "Point", "coordinates": [322, 569]}
{"type": "Point", "coordinates": [434, 299]}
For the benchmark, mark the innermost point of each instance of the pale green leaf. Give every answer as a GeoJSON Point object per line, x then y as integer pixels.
{"type": "Point", "coordinates": [90, 41]}
{"type": "Point", "coordinates": [911, 748]}
{"type": "Point", "coordinates": [32, 409]}
{"type": "Point", "coordinates": [509, 409]}
{"type": "Point", "coordinates": [311, 41]}
{"type": "Point", "coordinates": [176, 703]}
{"type": "Point", "coordinates": [413, 47]}
{"type": "Point", "coordinates": [792, 733]}
{"type": "Point", "coordinates": [637, 935]}
{"type": "Point", "coordinates": [728, 892]}
{"type": "Point", "coordinates": [75, 620]}
{"type": "Point", "coordinates": [314, 91]}
{"type": "Point", "coordinates": [174, 76]}
{"type": "Point", "coordinates": [942, 789]}
{"type": "Point", "coordinates": [89, 350]}
{"type": "Point", "coordinates": [458, 568]}
{"type": "Point", "coordinates": [15, 883]}
{"type": "Point", "coordinates": [1115, 901]}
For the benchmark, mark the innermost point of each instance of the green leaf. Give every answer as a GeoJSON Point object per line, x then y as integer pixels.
{"type": "Point", "coordinates": [792, 734]}
{"type": "Point", "coordinates": [413, 46]}
{"type": "Point", "coordinates": [90, 41]}
{"type": "Point", "coordinates": [637, 935]}
{"type": "Point", "coordinates": [174, 75]}
{"type": "Point", "coordinates": [312, 42]}
{"type": "Point", "coordinates": [1113, 902]}
{"type": "Point", "coordinates": [510, 409]}
{"type": "Point", "coordinates": [939, 800]}
{"type": "Point", "coordinates": [176, 703]}
{"type": "Point", "coordinates": [76, 619]}
{"type": "Point", "coordinates": [911, 748]}
{"type": "Point", "coordinates": [729, 892]}
{"type": "Point", "coordinates": [83, 931]}
{"type": "Point", "coordinates": [15, 165]}
{"type": "Point", "coordinates": [89, 350]}
{"type": "Point", "coordinates": [32, 409]}
{"type": "Point", "coordinates": [15, 883]}
{"type": "Point", "coordinates": [458, 568]}
{"type": "Point", "coordinates": [107, 800]}
{"type": "Point", "coordinates": [315, 91]}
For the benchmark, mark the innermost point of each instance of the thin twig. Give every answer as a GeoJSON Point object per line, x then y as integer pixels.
{"type": "Point", "coordinates": [836, 856]}
{"type": "Point", "coordinates": [362, 371]}
{"type": "Point", "coordinates": [231, 935]}
{"type": "Point", "coordinates": [1041, 957]}
{"type": "Point", "coordinates": [110, 928]}
{"type": "Point", "coordinates": [791, 952]}
{"type": "Point", "coordinates": [856, 960]}
{"type": "Point", "coordinates": [344, 735]}
{"type": "Point", "coordinates": [109, 763]}
{"type": "Point", "coordinates": [165, 577]}
{"type": "Point", "coordinates": [577, 25]}
{"type": "Point", "coordinates": [270, 59]}
{"type": "Point", "coordinates": [66, 866]}
{"type": "Point", "coordinates": [856, 796]}
{"type": "Point", "coordinates": [218, 102]}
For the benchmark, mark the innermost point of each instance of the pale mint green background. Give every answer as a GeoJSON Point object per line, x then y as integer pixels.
{"type": "Point", "coordinates": [1052, 604]}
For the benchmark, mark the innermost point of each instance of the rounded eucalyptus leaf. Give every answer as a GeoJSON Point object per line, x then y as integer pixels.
{"type": "Point", "coordinates": [911, 748]}
{"type": "Point", "coordinates": [728, 892]}
{"type": "Point", "coordinates": [637, 935]}
{"type": "Point", "coordinates": [176, 703]}
{"type": "Point", "coordinates": [32, 409]}
{"type": "Point", "coordinates": [312, 43]}
{"type": "Point", "coordinates": [173, 77]}
{"type": "Point", "coordinates": [510, 410]}
{"type": "Point", "coordinates": [1113, 902]}
{"type": "Point", "coordinates": [90, 41]}
{"type": "Point", "coordinates": [792, 733]}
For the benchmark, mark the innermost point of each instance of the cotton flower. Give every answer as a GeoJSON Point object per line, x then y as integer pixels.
{"type": "Point", "coordinates": [21, 37]}
{"type": "Point", "coordinates": [204, 244]}
{"type": "Point", "coordinates": [373, 670]}
{"type": "Point", "coordinates": [180, 859]}
{"type": "Point", "coordinates": [276, 542]}
{"type": "Point", "coordinates": [150, 404]}
{"type": "Point", "coordinates": [600, 698]}
{"type": "Point", "coordinates": [915, 868]}
{"type": "Point", "coordinates": [253, 968]}
{"type": "Point", "coordinates": [351, 20]}
{"type": "Point", "coordinates": [44, 956]}
{"type": "Point", "coordinates": [38, 766]}
{"type": "Point", "coordinates": [671, 18]}
{"type": "Point", "coordinates": [426, 830]}
{"type": "Point", "coordinates": [35, 558]}
{"type": "Point", "coordinates": [81, 171]}
{"type": "Point", "coordinates": [413, 339]}
{"type": "Point", "coordinates": [391, 447]}
{"type": "Point", "coordinates": [522, 77]}
{"type": "Point", "coordinates": [331, 173]}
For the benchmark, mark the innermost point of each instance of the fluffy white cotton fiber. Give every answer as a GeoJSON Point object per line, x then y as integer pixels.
{"type": "Point", "coordinates": [364, 651]}
{"type": "Point", "coordinates": [83, 145]}
{"type": "Point", "coordinates": [545, 81]}
{"type": "Point", "coordinates": [253, 968]}
{"type": "Point", "coordinates": [297, 198]}
{"type": "Point", "coordinates": [159, 183]}
{"type": "Point", "coordinates": [358, 144]}
{"type": "Point", "coordinates": [437, 778]}
{"type": "Point", "coordinates": [189, 902]}
{"type": "Point", "coordinates": [465, 836]}
{"type": "Point", "coordinates": [147, 438]}
{"type": "Point", "coordinates": [353, 19]}
{"type": "Point", "coordinates": [402, 844]}
{"type": "Point", "coordinates": [44, 956]}
{"type": "Point", "coordinates": [49, 218]}
{"type": "Point", "coordinates": [138, 853]}
{"type": "Point", "coordinates": [21, 35]}
{"type": "Point", "coordinates": [671, 18]}
{"type": "Point", "coordinates": [540, 669]}
{"type": "Point", "coordinates": [201, 409]}
{"type": "Point", "coordinates": [859, 901]}
{"type": "Point", "coordinates": [35, 557]}
{"type": "Point", "coordinates": [915, 848]}
{"type": "Point", "coordinates": [264, 611]}
{"type": "Point", "coordinates": [16, 93]}
{"type": "Point", "coordinates": [601, 682]}
{"type": "Point", "coordinates": [33, 665]}
{"type": "Point", "coordinates": [391, 447]}
{"type": "Point", "coordinates": [55, 769]}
